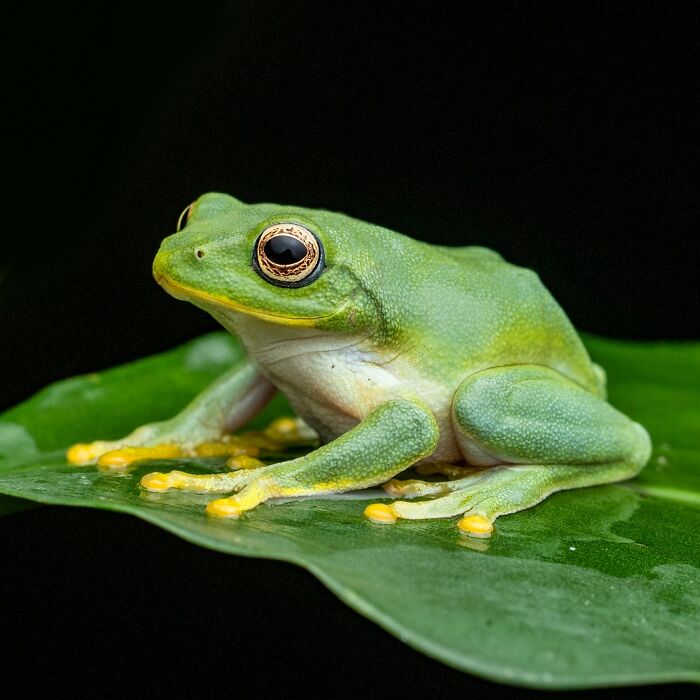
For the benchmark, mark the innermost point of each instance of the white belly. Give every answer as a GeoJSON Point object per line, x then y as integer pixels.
{"type": "Point", "coordinates": [333, 389]}
{"type": "Point", "coordinates": [333, 382]}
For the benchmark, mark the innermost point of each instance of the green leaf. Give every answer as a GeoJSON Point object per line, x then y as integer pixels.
{"type": "Point", "coordinates": [593, 587]}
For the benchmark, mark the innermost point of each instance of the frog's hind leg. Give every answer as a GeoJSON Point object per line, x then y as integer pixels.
{"type": "Point", "coordinates": [506, 489]}
{"type": "Point", "coordinates": [537, 433]}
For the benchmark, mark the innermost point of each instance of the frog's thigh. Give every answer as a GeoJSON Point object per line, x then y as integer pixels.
{"type": "Point", "coordinates": [542, 433]}
{"type": "Point", "coordinates": [529, 414]}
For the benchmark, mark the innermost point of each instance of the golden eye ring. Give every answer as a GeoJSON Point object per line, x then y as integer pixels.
{"type": "Point", "coordinates": [184, 217]}
{"type": "Point", "coordinates": [288, 255]}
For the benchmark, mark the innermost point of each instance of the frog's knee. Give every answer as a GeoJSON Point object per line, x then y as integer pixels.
{"type": "Point", "coordinates": [478, 404]}
{"type": "Point", "coordinates": [601, 379]}
{"type": "Point", "coordinates": [533, 414]}
{"type": "Point", "coordinates": [640, 445]}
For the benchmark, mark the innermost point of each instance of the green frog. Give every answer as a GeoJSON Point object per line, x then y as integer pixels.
{"type": "Point", "coordinates": [393, 352]}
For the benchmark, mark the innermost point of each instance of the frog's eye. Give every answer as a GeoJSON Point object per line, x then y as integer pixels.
{"type": "Point", "coordinates": [184, 217]}
{"type": "Point", "coordinates": [288, 255]}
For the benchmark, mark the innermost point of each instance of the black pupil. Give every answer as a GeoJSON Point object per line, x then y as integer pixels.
{"type": "Point", "coordinates": [284, 250]}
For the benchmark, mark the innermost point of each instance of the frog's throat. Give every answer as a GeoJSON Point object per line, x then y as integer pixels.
{"type": "Point", "coordinates": [184, 293]}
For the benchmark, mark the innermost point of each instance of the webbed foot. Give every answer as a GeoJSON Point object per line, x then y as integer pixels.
{"type": "Point", "coordinates": [251, 482]}
{"type": "Point", "coordinates": [150, 442]}
{"type": "Point", "coordinates": [489, 493]}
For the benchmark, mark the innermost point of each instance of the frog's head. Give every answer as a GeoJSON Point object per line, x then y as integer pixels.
{"type": "Point", "coordinates": [288, 266]}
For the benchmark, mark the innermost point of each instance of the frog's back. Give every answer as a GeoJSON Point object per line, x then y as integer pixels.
{"type": "Point", "coordinates": [474, 310]}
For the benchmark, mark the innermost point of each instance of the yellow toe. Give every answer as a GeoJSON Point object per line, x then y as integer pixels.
{"type": "Point", "coordinates": [120, 459]}
{"type": "Point", "coordinates": [244, 462]}
{"type": "Point", "coordinates": [156, 481]}
{"type": "Point", "coordinates": [84, 453]}
{"type": "Point", "coordinates": [79, 454]}
{"type": "Point", "coordinates": [224, 508]}
{"type": "Point", "coordinates": [380, 513]}
{"type": "Point", "coordinates": [117, 459]}
{"type": "Point", "coordinates": [284, 429]}
{"type": "Point", "coordinates": [475, 526]}
{"type": "Point", "coordinates": [289, 431]}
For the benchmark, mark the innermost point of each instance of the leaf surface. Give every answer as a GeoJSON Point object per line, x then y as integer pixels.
{"type": "Point", "coordinates": [591, 588]}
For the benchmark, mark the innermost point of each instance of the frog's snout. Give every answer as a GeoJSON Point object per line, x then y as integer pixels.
{"type": "Point", "coordinates": [160, 265]}
{"type": "Point", "coordinates": [168, 262]}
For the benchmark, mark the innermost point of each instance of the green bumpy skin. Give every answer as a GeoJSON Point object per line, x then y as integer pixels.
{"type": "Point", "coordinates": [396, 353]}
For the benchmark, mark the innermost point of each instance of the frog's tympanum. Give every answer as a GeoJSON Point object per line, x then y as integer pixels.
{"type": "Point", "coordinates": [394, 353]}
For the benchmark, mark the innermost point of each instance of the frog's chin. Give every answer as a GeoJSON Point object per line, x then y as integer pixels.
{"type": "Point", "coordinates": [215, 305]}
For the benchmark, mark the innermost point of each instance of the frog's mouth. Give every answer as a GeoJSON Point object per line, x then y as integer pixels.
{"type": "Point", "coordinates": [206, 299]}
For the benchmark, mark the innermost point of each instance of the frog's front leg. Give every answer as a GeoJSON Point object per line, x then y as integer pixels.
{"type": "Point", "coordinates": [390, 438]}
{"type": "Point", "coordinates": [534, 432]}
{"type": "Point", "coordinates": [222, 407]}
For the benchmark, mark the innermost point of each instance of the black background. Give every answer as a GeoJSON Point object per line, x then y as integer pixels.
{"type": "Point", "coordinates": [563, 140]}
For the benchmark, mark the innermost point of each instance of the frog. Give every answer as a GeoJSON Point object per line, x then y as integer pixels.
{"type": "Point", "coordinates": [445, 375]}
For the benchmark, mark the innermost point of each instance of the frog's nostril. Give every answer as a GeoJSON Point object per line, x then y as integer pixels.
{"type": "Point", "coordinates": [199, 253]}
